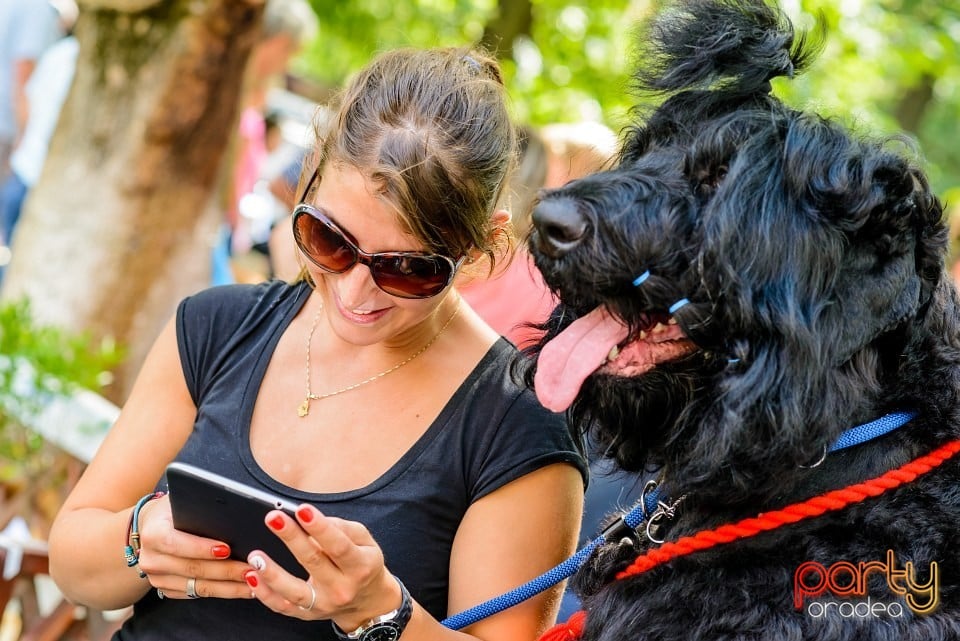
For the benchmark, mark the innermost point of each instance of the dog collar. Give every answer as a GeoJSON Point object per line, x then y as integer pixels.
{"type": "Point", "coordinates": [652, 507]}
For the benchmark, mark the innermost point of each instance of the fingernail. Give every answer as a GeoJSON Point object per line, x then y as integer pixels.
{"type": "Point", "coordinates": [221, 551]}
{"type": "Point", "coordinates": [258, 562]}
{"type": "Point", "coordinates": [250, 576]}
{"type": "Point", "coordinates": [305, 514]}
{"type": "Point", "coordinates": [276, 523]}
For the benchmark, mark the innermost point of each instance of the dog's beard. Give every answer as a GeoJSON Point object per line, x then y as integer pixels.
{"type": "Point", "coordinates": [633, 420]}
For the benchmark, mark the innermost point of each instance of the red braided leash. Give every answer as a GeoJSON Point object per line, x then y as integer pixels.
{"type": "Point", "coordinates": [705, 539]}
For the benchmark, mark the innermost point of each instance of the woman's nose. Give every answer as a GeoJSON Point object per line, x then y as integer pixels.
{"type": "Point", "coordinates": [355, 285]}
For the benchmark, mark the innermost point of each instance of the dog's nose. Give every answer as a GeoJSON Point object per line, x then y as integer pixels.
{"type": "Point", "coordinates": [560, 226]}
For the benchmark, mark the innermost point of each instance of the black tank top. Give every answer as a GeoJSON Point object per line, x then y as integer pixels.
{"type": "Point", "coordinates": [490, 432]}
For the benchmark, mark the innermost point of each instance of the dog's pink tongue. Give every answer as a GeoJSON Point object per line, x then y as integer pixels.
{"type": "Point", "coordinates": [575, 353]}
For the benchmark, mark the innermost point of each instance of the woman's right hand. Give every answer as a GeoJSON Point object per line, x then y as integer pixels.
{"type": "Point", "coordinates": [181, 565]}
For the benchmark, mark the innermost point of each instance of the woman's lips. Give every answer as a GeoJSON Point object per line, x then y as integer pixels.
{"type": "Point", "coordinates": [360, 316]}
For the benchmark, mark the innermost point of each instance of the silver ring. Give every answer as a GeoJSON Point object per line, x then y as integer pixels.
{"type": "Point", "coordinates": [313, 598]}
{"type": "Point", "coordinates": [160, 593]}
{"type": "Point", "coordinates": [822, 458]}
{"type": "Point", "coordinates": [192, 588]}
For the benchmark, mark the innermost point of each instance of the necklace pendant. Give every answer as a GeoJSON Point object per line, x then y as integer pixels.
{"type": "Point", "coordinates": [304, 408]}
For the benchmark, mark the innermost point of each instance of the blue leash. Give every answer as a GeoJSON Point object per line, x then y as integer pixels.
{"type": "Point", "coordinates": [633, 519]}
{"type": "Point", "coordinates": [872, 430]}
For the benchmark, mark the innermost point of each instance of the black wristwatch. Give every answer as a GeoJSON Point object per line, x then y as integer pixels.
{"type": "Point", "coordinates": [386, 627]}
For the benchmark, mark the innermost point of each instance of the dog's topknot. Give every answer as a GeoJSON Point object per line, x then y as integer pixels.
{"type": "Point", "coordinates": [709, 58]}
{"type": "Point", "coordinates": [735, 45]}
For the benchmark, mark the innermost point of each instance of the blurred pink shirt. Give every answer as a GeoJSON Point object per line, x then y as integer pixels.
{"type": "Point", "coordinates": [507, 300]}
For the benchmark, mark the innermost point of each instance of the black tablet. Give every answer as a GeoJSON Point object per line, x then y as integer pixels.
{"type": "Point", "coordinates": [210, 505]}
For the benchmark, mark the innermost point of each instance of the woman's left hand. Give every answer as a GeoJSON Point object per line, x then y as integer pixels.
{"type": "Point", "coordinates": [348, 581]}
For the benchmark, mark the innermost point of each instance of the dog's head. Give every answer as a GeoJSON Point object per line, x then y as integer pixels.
{"type": "Point", "coordinates": [750, 279]}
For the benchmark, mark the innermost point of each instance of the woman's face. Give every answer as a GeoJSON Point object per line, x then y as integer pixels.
{"type": "Point", "coordinates": [359, 311]}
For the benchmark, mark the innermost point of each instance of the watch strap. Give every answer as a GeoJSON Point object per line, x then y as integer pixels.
{"type": "Point", "coordinates": [395, 619]}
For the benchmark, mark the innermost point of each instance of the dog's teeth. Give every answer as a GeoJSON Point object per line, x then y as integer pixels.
{"type": "Point", "coordinates": [614, 352]}
{"type": "Point", "coordinates": [659, 328]}
{"type": "Point", "coordinates": [643, 335]}
{"type": "Point", "coordinates": [672, 321]}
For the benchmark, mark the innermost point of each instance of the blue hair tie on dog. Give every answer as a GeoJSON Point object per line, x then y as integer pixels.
{"type": "Point", "coordinates": [642, 277]}
{"type": "Point", "coordinates": [677, 305]}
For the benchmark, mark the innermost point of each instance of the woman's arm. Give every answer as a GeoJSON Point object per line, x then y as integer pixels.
{"type": "Point", "coordinates": [88, 534]}
{"type": "Point", "coordinates": [510, 537]}
{"type": "Point", "coordinates": [506, 539]}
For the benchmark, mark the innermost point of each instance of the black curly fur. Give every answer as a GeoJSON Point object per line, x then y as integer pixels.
{"type": "Point", "coordinates": [812, 258]}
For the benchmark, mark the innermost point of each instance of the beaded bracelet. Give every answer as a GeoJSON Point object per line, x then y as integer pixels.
{"type": "Point", "coordinates": [131, 550]}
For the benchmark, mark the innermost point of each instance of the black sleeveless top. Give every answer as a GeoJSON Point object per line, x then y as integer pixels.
{"type": "Point", "coordinates": [490, 432]}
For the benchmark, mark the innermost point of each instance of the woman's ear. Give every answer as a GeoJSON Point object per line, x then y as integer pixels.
{"type": "Point", "coordinates": [500, 218]}
{"type": "Point", "coordinates": [502, 235]}
{"type": "Point", "coordinates": [501, 231]}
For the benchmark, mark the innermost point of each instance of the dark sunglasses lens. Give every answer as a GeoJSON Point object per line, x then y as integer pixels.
{"type": "Point", "coordinates": [411, 276]}
{"type": "Point", "coordinates": [323, 244]}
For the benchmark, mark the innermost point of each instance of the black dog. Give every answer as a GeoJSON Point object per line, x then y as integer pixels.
{"type": "Point", "coordinates": [746, 285]}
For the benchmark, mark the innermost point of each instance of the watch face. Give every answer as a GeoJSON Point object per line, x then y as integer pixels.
{"type": "Point", "coordinates": [386, 631]}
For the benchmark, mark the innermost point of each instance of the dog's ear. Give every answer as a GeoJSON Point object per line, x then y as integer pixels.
{"type": "Point", "coordinates": [814, 245]}
{"type": "Point", "coordinates": [896, 244]}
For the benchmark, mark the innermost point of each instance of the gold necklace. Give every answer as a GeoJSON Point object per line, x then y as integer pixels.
{"type": "Point", "coordinates": [304, 408]}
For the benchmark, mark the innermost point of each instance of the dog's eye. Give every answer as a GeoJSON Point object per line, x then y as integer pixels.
{"type": "Point", "coordinates": [709, 181]}
{"type": "Point", "coordinates": [720, 174]}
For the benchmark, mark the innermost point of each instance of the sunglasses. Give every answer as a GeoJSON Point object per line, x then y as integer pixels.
{"type": "Point", "coordinates": [404, 274]}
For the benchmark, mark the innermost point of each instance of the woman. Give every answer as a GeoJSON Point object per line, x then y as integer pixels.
{"type": "Point", "coordinates": [366, 392]}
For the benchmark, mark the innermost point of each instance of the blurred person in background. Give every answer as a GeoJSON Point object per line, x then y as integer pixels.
{"type": "Point", "coordinates": [284, 259]}
{"type": "Point", "coordinates": [576, 149]}
{"type": "Point", "coordinates": [287, 26]}
{"type": "Point", "coordinates": [27, 28]}
{"type": "Point", "coordinates": [953, 258]}
{"type": "Point", "coordinates": [40, 99]}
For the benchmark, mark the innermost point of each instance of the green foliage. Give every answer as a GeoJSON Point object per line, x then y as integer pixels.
{"type": "Point", "coordinates": [38, 364]}
{"type": "Point", "coordinates": [573, 66]}
{"type": "Point", "coordinates": [574, 63]}
{"type": "Point", "coordinates": [880, 57]}
{"type": "Point", "coordinates": [570, 66]}
{"type": "Point", "coordinates": [351, 32]}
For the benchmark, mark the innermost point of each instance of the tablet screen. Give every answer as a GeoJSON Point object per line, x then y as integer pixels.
{"type": "Point", "coordinates": [210, 505]}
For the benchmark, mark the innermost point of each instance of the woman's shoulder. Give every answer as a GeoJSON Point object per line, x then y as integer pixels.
{"type": "Point", "coordinates": [498, 386]}
{"type": "Point", "coordinates": [220, 324]}
{"type": "Point", "coordinates": [505, 365]}
{"type": "Point", "coordinates": [512, 433]}
{"type": "Point", "coordinates": [236, 302]}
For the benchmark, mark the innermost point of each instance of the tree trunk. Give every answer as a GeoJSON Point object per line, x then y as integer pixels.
{"type": "Point", "coordinates": [914, 102]}
{"type": "Point", "coordinates": [513, 18]}
{"type": "Point", "coordinates": [120, 225]}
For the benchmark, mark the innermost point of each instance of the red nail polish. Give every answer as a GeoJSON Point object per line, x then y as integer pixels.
{"type": "Point", "coordinates": [250, 576]}
{"type": "Point", "coordinates": [276, 523]}
{"type": "Point", "coordinates": [305, 514]}
{"type": "Point", "coordinates": [221, 551]}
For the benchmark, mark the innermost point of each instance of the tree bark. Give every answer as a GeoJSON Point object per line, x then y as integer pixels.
{"type": "Point", "coordinates": [120, 225]}
{"type": "Point", "coordinates": [513, 18]}
{"type": "Point", "coordinates": [913, 104]}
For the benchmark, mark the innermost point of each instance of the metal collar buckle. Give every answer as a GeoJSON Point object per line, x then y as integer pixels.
{"type": "Point", "coordinates": [664, 512]}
